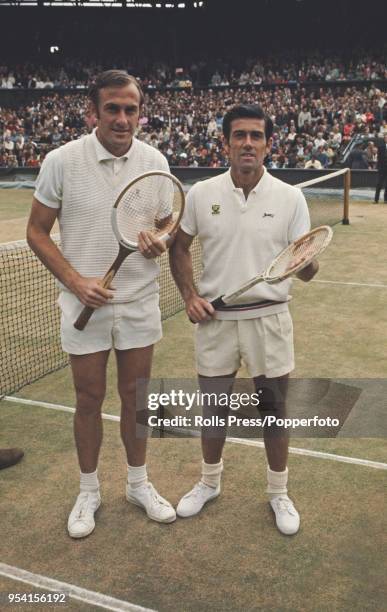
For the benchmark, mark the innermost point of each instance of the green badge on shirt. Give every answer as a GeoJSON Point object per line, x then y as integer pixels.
{"type": "Point", "coordinates": [215, 209]}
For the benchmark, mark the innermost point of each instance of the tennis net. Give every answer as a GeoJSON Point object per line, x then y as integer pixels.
{"type": "Point", "coordinates": [328, 198]}
{"type": "Point", "coordinates": [29, 316]}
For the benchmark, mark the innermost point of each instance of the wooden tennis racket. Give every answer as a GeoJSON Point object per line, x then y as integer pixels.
{"type": "Point", "coordinates": [153, 201]}
{"type": "Point", "coordinates": [291, 260]}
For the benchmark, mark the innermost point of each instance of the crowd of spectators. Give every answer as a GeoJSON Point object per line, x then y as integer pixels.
{"type": "Point", "coordinates": [311, 127]}
{"type": "Point", "coordinates": [266, 70]}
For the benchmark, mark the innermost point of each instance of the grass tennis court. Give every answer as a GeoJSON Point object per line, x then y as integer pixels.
{"type": "Point", "coordinates": [231, 557]}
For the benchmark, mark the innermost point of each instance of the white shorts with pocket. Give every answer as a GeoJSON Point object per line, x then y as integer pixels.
{"type": "Point", "coordinates": [265, 345]}
{"type": "Point", "coordinates": [120, 326]}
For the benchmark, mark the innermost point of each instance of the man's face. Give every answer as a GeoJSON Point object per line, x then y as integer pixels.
{"type": "Point", "coordinates": [117, 117]}
{"type": "Point", "coordinates": [247, 146]}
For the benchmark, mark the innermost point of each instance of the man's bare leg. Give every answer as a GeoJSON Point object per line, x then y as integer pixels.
{"type": "Point", "coordinates": [134, 369]}
{"type": "Point", "coordinates": [274, 403]}
{"type": "Point", "coordinates": [276, 444]}
{"type": "Point", "coordinates": [213, 439]}
{"type": "Point", "coordinates": [89, 375]}
{"type": "Point", "coordinates": [133, 365]}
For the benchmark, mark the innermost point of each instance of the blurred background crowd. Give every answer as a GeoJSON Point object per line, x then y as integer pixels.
{"type": "Point", "coordinates": [320, 75]}
{"type": "Point", "coordinates": [312, 127]}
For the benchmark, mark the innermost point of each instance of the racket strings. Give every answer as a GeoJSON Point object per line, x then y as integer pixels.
{"type": "Point", "coordinates": [300, 253]}
{"type": "Point", "coordinates": [150, 204]}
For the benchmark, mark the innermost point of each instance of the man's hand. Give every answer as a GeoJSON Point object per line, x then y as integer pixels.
{"type": "Point", "coordinates": [307, 273]}
{"type": "Point", "coordinates": [149, 246]}
{"type": "Point", "coordinates": [198, 309]}
{"type": "Point", "coordinates": [90, 291]}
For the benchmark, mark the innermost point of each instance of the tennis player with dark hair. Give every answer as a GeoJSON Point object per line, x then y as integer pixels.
{"type": "Point", "coordinates": [78, 184]}
{"type": "Point", "coordinates": [243, 219]}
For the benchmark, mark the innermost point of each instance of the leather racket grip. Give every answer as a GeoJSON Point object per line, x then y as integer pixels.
{"type": "Point", "coordinates": [86, 313]}
{"type": "Point", "coordinates": [218, 303]}
{"type": "Point", "coordinates": [215, 304]}
{"type": "Point", "coordinates": [83, 318]}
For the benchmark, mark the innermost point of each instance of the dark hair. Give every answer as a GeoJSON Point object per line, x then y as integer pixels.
{"type": "Point", "coordinates": [113, 78]}
{"type": "Point", "coordinates": [246, 111]}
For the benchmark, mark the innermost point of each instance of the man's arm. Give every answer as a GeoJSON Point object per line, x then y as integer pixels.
{"type": "Point", "coordinates": [40, 223]}
{"type": "Point", "coordinates": [197, 308]}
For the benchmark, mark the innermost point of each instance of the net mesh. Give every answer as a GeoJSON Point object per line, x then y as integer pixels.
{"type": "Point", "coordinates": [30, 317]}
{"type": "Point", "coordinates": [29, 330]}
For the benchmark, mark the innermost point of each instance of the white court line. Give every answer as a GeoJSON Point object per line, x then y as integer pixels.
{"type": "Point", "coordinates": [60, 407]}
{"type": "Point", "coordinates": [320, 455]}
{"type": "Point", "coordinates": [293, 450]}
{"type": "Point", "coordinates": [74, 592]}
{"type": "Point", "coordinates": [329, 282]}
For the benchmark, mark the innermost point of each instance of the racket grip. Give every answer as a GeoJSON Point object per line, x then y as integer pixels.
{"type": "Point", "coordinates": [83, 318]}
{"type": "Point", "coordinates": [218, 303]}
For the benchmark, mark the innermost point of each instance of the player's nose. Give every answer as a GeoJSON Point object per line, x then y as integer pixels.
{"type": "Point", "coordinates": [122, 118]}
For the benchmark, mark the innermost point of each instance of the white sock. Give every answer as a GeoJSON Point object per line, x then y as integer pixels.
{"type": "Point", "coordinates": [276, 482]}
{"type": "Point", "coordinates": [137, 476]}
{"type": "Point", "coordinates": [89, 482]}
{"type": "Point", "coordinates": [211, 473]}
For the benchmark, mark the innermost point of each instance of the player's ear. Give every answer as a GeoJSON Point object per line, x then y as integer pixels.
{"type": "Point", "coordinates": [225, 144]}
{"type": "Point", "coordinates": [269, 144]}
{"type": "Point", "coordinates": [90, 119]}
{"type": "Point", "coordinates": [92, 112]}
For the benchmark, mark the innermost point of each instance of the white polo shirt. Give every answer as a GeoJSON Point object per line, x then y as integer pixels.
{"type": "Point", "coordinates": [240, 238]}
{"type": "Point", "coordinates": [82, 180]}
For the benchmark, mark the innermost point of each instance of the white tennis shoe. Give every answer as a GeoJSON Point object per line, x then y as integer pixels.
{"type": "Point", "coordinates": [194, 500]}
{"type": "Point", "coordinates": [286, 516]}
{"type": "Point", "coordinates": [157, 508]}
{"type": "Point", "coordinates": [81, 520]}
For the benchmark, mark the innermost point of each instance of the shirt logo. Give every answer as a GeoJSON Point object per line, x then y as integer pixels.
{"type": "Point", "coordinates": [215, 209]}
{"type": "Point", "coordinates": [267, 215]}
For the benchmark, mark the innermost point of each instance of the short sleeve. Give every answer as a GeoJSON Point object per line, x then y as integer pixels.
{"type": "Point", "coordinates": [49, 184]}
{"type": "Point", "coordinates": [189, 221]}
{"type": "Point", "coordinates": [300, 222]}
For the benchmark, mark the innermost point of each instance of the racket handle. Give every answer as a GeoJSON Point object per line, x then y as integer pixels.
{"type": "Point", "coordinates": [86, 313]}
{"type": "Point", "coordinates": [83, 318]}
{"type": "Point", "coordinates": [218, 303]}
{"type": "Point", "coordinates": [215, 304]}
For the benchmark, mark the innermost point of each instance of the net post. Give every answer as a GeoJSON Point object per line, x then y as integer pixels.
{"type": "Point", "coordinates": [347, 187]}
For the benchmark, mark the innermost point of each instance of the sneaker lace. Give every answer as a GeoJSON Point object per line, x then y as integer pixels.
{"type": "Point", "coordinates": [83, 506]}
{"type": "Point", "coordinates": [198, 489]}
{"type": "Point", "coordinates": [284, 504]}
{"type": "Point", "coordinates": [156, 497]}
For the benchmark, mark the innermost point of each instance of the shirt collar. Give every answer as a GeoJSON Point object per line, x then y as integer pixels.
{"type": "Point", "coordinates": [104, 155]}
{"type": "Point", "coordinates": [255, 189]}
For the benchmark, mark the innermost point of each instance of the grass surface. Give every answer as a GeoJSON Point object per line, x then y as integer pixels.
{"type": "Point", "coordinates": [230, 557]}
{"type": "Point", "coordinates": [15, 205]}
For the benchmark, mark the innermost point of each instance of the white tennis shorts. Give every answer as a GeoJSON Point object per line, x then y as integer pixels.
{"type": "Point", "coordinates": [265, 345]}
{"type": "Point", "coordinates": [121, 326]}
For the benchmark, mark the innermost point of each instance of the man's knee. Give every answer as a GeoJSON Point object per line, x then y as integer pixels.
{"type": "Point", "coordinates": [90, 399]}
{"type": "Point", "coordinates": [130, 392]}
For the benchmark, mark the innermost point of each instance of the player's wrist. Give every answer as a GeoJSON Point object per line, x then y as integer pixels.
{"type": "Point", "coordinates": [73, 281]}
{"type": "Point", "coordinates": [189, 295]}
